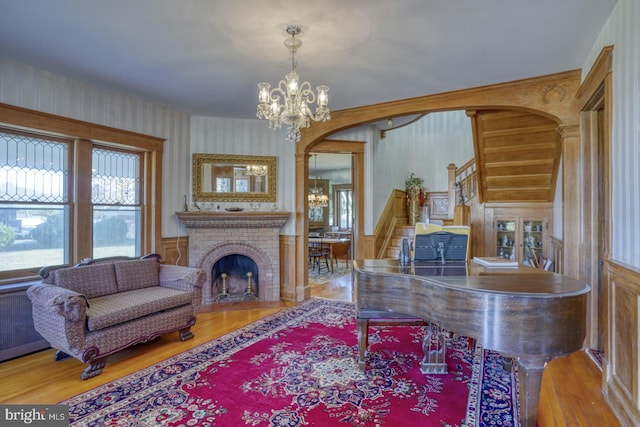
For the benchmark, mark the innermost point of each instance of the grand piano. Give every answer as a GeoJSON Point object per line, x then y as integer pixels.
{"type": "Point", "coordinates": [527, 314]}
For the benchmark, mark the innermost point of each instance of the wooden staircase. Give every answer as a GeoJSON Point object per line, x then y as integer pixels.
{"type": "Point", "coordinates": [400, 231]}
{"type": "Point", "coordinates": [517, 156]}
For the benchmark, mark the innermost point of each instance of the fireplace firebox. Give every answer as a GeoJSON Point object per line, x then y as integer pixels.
{"type": "Point", "coordinates": [235, 278]}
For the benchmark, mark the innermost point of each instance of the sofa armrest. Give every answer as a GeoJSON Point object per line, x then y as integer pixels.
{"type": "Point", "coordinates": [56, 300]}
{"type": "Point", "coordinates": [181, 278]}
{"type": "Point", "coordinates": [186, 279]}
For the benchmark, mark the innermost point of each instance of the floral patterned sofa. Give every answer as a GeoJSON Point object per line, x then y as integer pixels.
{"type": "Point", "coordinates": [99, 307]}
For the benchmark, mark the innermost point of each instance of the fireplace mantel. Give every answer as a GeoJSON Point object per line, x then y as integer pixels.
{"type": "Point", "coordinates": [253, 219]}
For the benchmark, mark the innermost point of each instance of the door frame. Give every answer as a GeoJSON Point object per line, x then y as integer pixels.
{"type": "Point", "coordinates": [356, 149]}
{"type": "Point", "coordinates": [595, 100]}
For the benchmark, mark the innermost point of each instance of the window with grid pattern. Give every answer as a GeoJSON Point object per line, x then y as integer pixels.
{"type": "Point", "coordinates": [34, 201]}
{"type": "Point", "coordinates": [116, 202]}
{"type": "Point", "coordinates": [71, 190]}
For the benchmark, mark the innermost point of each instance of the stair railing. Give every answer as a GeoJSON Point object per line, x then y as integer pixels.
{"type": "Point", "coordinates": [394, 213]}
{"type": "Point", "coordinates": [463, 183]}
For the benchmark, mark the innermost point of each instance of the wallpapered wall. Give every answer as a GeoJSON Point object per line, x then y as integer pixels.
{"type": "Point", "coordinates": [425, 147]}
{"type": "Point", "coordinates": [622, 31]}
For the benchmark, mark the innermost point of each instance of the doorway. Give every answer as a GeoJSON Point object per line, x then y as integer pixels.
{"type": "Point", "coordinates": [595, 100]}
{"type": "Point", "coordinates": [330, 214]}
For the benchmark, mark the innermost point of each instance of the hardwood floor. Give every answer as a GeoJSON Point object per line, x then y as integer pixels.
{"type": "Point", "coordinates": [570, 395]}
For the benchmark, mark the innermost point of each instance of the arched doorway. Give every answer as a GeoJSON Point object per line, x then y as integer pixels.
{"type": "Point", "coordinates": [551, 96]}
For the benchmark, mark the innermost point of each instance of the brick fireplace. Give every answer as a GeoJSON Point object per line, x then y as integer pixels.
{"type": "Point", "coordinates": [216, 237]}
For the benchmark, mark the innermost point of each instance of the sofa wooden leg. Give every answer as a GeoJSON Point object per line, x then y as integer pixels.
{"type": "Point", "coordinates": [94, 368]}
{"type": "Point", "coordinates": [60, 356]}
{"type": "Point", "coordinates": [186, 334]}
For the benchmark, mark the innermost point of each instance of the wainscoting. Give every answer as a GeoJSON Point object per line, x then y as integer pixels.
{"type": "Point", "coordinates": [621, 369]}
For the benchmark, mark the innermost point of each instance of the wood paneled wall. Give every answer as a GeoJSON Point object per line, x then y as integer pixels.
{"type": "Point", "coordinates": [621, 379]}
{"type": "Point", "coordinates": [288, 268]}
{"type": "Point", "coordinates": [175, 250]}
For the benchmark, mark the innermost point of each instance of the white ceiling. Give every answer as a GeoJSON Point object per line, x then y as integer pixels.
{"type": "Point", "coordinates": [205, 57]}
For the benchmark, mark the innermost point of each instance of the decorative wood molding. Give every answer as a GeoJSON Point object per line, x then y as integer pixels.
{"type": "Point", "coordinates": [597, 74]}
{"type": "Point", "coordinates": [526, 94]}
{"type": "Point", "coordinates": [590, 194]}
{"type": "Point", "coordinates": [33, 119]}
{"type": "Point", "coordinates": [233, 219]}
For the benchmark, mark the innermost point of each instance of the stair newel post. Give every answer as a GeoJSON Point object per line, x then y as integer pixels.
{"type": "Point", "coordinates": [414, 211]}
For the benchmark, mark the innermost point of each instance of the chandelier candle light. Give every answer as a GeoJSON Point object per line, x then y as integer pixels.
{"type": "Point", "coordinates": [317, 199]}
{"type": "Point", "coordinates": [290, 101]}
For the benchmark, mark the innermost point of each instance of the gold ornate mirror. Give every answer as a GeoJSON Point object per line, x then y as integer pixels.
{"type": "Point", "coordinates": [234, 178]}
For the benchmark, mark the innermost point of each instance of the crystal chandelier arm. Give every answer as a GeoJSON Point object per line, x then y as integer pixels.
{"type": "Point", "coordinates": [307, 93]}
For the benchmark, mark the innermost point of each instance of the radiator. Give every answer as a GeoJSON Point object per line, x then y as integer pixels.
{"type": "Point", "coordinates": [17, 335]}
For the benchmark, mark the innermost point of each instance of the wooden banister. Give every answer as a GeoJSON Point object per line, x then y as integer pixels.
{"type": "Point", "coordinates": [394, 213]}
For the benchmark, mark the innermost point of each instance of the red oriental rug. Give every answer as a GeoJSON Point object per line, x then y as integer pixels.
{"type": "Point", "coordinates": [299, 368]}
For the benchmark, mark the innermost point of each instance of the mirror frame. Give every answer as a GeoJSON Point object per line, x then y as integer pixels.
{"type": "Point", "coordinates": [232, 159]}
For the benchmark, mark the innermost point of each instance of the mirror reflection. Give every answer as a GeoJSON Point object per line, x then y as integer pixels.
{"type": "Point", "coordinates": [218, 177]}
{"type": "Point", "coordinates": [224, 178]}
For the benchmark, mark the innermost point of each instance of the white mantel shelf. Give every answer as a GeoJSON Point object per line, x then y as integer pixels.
{"type": "Point", "coordinates": [249, 219]}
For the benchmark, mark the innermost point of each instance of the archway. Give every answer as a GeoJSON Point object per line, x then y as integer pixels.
{"type": "Point", "coordinates": [551, 96]}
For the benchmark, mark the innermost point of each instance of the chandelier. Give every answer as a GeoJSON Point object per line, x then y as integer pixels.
{"type": "Point", "coordinates": [256, 170]}
{"type": "Point", "coordinates": [317, 199]}
{"type": "Point", "coordinates": [290, 102]}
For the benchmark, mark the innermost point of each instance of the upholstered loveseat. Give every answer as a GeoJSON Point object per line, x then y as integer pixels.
{"type": "Point", "coordinates": [99, 307]}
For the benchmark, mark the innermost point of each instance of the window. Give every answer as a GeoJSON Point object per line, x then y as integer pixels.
{"type": "Point", "coordinates": [71, 190]}
{"type": "Point", "coordinates": [343, 206]}
{"type": "Point", "coordinates": [223, 185]}
{"type": "Point", "coordinates": [34, 203]}
{"type": "Point", "coordinates": [115, 195]}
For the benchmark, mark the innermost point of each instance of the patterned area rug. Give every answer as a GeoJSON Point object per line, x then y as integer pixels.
{"type": "Point", "coordinates": [316, 278]}
{"type": "Point", "coordinates": [298, 368]}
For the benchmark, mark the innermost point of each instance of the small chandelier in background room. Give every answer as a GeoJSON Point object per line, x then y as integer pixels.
{"type": "Point", "coordinates": [256, 170]}
{"type": "Point", "coordinates": [290, 102]}
{"type": "Point", "coordinates": [317, 199]}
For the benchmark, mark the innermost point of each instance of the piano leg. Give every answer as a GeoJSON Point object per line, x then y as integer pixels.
{"type": "Point", "coordinates": [530, 370]}
{"type": "Point", "coordinates": [363, 342]}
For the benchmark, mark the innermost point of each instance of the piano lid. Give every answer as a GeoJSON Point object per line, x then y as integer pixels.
{"type": "Point", "coordinates": [521, 280]}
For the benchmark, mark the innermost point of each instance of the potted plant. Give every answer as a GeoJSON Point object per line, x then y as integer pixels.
{"type": "Point", "coordinates": [417, 198]}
